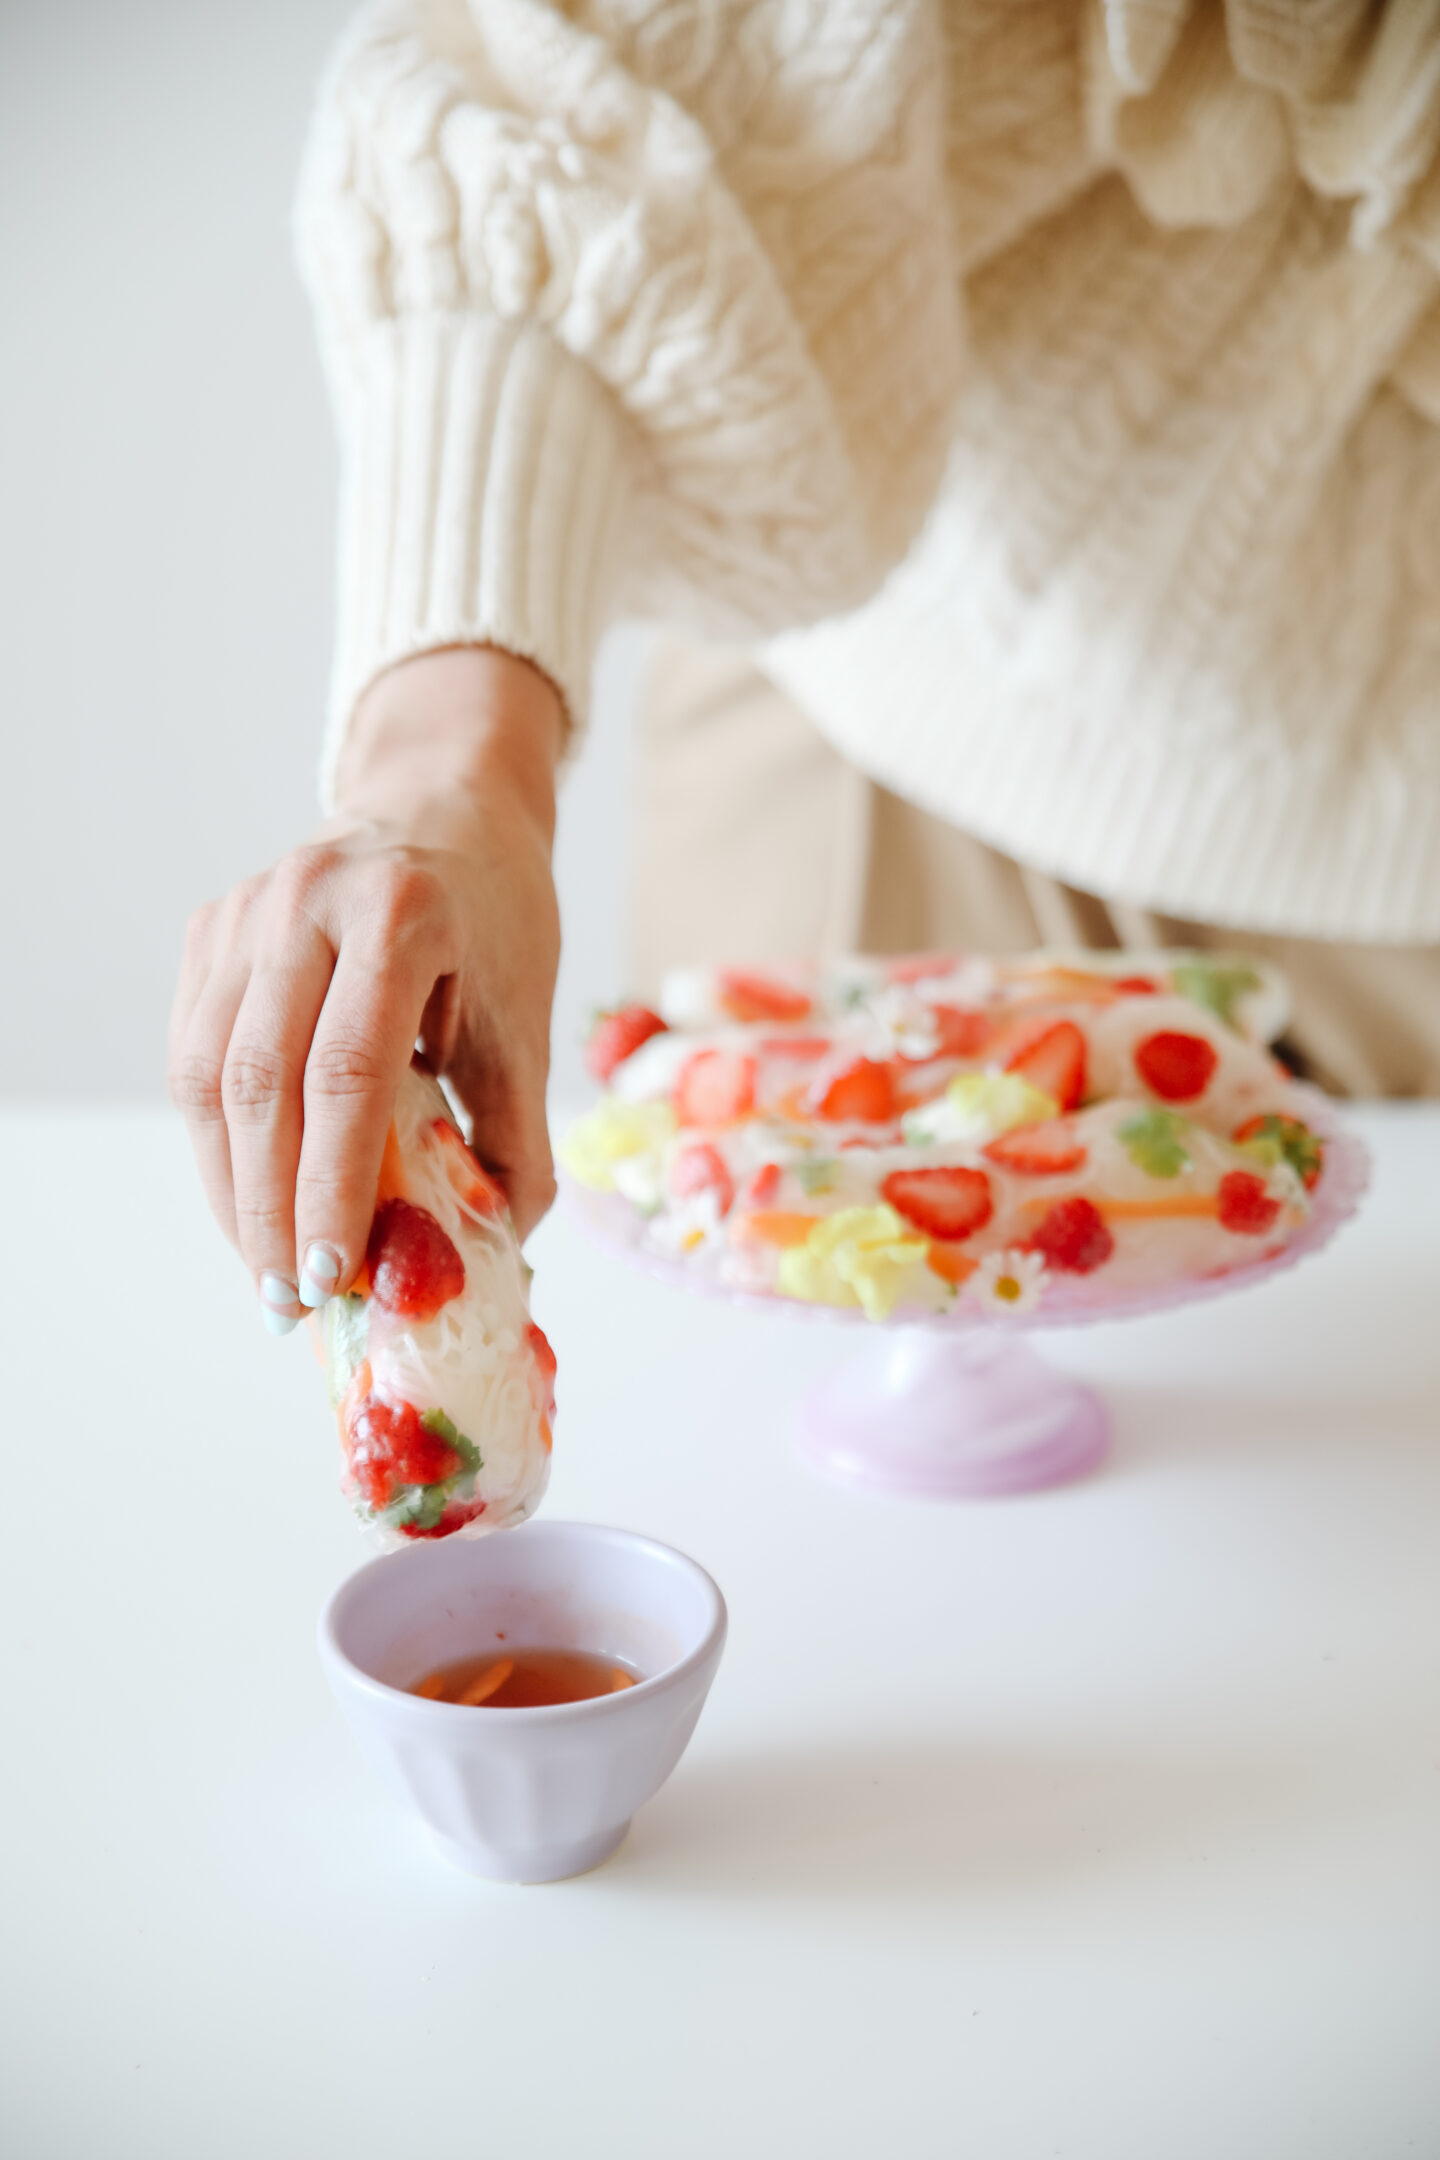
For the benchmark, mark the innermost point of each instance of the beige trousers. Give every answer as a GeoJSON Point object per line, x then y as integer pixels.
{"type": "Point", "coordinates": [756, 841]}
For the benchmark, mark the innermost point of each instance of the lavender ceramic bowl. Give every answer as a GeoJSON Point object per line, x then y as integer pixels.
{"type": "Point", "coordinates": [535, 1794]}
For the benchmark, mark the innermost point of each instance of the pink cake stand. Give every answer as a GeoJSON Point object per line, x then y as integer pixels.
{"type": "Point", "coordinates": [956, 1405]}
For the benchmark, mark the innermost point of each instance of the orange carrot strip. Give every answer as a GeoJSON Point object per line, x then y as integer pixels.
{"type": "Point", "coordinates": [1163, 1207]}
{"type": "Point", "coordinates": [487, 1683]}
{"type": "Point", "coordinates": [1180, 1203]}
{"type": "Point", "coordinates": [949, 1263]}
{"type": "Point", "coordinates": [392, 1170]}
{"type": "Point", "coordinates": [432, 1687]}
{"type": "Point", "coordinates": [771, 1226]}
{"type": "Point", "coordinates": [1071, 985]}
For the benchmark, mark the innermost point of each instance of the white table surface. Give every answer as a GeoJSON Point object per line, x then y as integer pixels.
{"type": "Point", "coordinates": [1100, 1823]}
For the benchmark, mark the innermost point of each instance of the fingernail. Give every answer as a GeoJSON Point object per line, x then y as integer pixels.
{"type": "Point", "coordinates": [319, 1275]}
{"type": "Point", "coordinates": [279, 1323]}
{"type": "Point", "coordinates": [277, 1290]}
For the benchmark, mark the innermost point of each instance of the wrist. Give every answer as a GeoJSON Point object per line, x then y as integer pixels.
{"type": "Point", "coordinates": [437, 740]}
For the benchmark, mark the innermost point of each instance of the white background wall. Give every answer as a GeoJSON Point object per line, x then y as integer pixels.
{"type": "Point", "coordinates": [166, 498]}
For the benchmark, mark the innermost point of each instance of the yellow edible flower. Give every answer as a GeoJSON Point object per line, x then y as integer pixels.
{"type": "Point", "coordinates": [978, 1107]}
{"type": "Point", "coordinates": [610, 1133]}
{"type": "Point", "coordinates": [860, 1256]}
{"type": "Point", "coordinates": [1000, 1101]}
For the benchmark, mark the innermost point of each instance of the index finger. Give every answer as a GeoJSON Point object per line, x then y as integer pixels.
{"type": "Point", "coordinates": [362, 1045]}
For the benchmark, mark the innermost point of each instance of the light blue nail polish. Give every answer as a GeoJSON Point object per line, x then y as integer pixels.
{"type": "Point", "coordinates": [279, 1323]}
{"type": "Point", "coordinates": [319, 1275]}
{"type": "Point", "coordinates": [277, 1290]}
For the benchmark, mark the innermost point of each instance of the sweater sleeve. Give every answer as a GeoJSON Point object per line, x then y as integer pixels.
{"type": "Point", "coordinates": [629, 305]}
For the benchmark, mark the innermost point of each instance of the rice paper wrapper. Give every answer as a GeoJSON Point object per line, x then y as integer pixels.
{"type": "Point", "coordinates": [950, 1138]}
{"type": "Point", "coordinates": [442, 1385]}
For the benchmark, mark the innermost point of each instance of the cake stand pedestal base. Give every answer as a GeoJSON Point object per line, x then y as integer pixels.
{"type": "Point", "coordinates": [952, 1417]}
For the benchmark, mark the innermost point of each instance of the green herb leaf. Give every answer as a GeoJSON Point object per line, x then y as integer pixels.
{"type": "Point", "coordinates": [420, 1507]}
{"type": "Point", "coordinates": [1215, 986]}
{"type": "Point", "coordinates": [345, 1331]}
{"type": "Point", "coordinates": [1279, 1139]}
{"type": "Point", "coordinates": [1155, 1141]}
{"type": "Point", "coordinates": [444, 1428]}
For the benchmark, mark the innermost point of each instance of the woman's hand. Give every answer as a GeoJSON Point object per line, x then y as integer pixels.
{"type": "Point", "coordinates": [424, 910]}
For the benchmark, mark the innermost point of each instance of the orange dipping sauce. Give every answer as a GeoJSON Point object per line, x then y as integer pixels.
{"type": "Point", "coordinates": [524, 1679]}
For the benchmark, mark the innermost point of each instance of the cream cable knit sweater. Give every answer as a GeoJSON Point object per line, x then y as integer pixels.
{"type": "Point", "coordinates": [1050, 389]}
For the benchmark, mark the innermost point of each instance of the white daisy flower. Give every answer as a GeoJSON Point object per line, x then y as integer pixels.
{"type": "Point", "coordinates": [1008, 1282]}
{"type": "Point", "coordinates": [687, 1224]}
{"type": "Point", "coordinates": [905, 1025]}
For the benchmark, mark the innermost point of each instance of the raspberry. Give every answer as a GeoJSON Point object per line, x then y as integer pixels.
{"type": "Point", "coordinates": [701, 1168]}
{"type": "Point", "coordinates": [944, 1203]}
{"type": "Point", "coordinates": [1175, 1067]}
{"type": "Point", "coordinates": [1073, 1237]}
{"type": "Point", "coordinates": [414, 1268]}
{"type": "Point", "coordinates": [391, 1448]}
{"type": "Point", "coordinates": [617, 1036]}
{"type": "Point", "coordinates": [1245, 1205]}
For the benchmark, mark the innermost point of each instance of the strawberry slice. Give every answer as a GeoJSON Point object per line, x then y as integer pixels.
{"type": "Point", "coordinates": [702, 1168]}
{"type": "Point", "coordinates": [1073, 1237]}
{"type": "Point", "coordinates": [1016, 1031]}
{"type": "Point", "coordinates": [455, 1517]}
{"type": "Point", "coordinates": [414, 1267]}
{"type": "Point", "coordinates": [1054, 1062]}
{"type": "Point", "coordinates": [1245, 1205]}
{"type": "Point", "coordinates": [714, 1088]}
{"type": "Point", "coordinates": [864, 1091]}
{"type": "Point", "coordinates": [391, 1447]}
{"type": "Point", "coordinates": [805, 1049]}
{"type": "Point", "coordinates": [949, 1203]}
{"type": "Point", "coordinates": [761, 1191]}
{"type": "Point", "coordinates": [1038, 1150]}
{"type": "Point", "coordinates": [748, 996]}
{"type": "Point", "coordinates": [1175, 1067]}
{"type": "Point", "coordinates": [618, 1035]}
{"type": "Point", "coordinates": [960, 1032]}
{"type": "Point", "coordinates": [919, 967]}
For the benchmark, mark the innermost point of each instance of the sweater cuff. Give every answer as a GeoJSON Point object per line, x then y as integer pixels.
{"type": "Point", "coordinates": [482, 488]}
